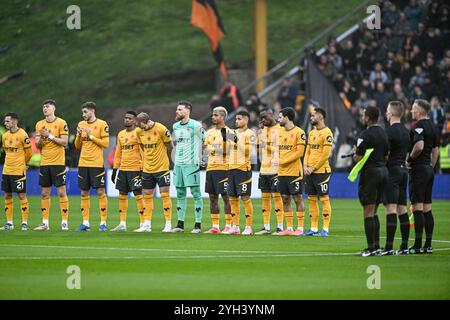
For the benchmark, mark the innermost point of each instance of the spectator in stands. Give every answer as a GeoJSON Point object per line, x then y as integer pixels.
{"type": "Point", "coordinates": [446, 88]}
{"type": "Point", "coordinates": [365, 86]}
{"type": "Point", "coordinates": [216, 101]}
{"type": "Point", "coordinates": [444, 19]}
{"type": "Point", "coordinates": [362, 58]}
{"type": "Point", "coordinates": [437, 113]}
{"type": "Point", "coordinates": [398, 94]}
{"type": "Point", "coordinates": [389, 14]}
{"type": "Point", "coordinates": [287, 95]}
{"type": "Point", "coordinates": [326, 67]}
{"type": "Point", "coordinates": [413, 13]}
{"type": "Point", "coordinates": [417, 93]}
{"type": "Point", "coordinates": [391, 65]}
{"type": "Point", "coordinates": [389, 41]}
{"type": "Point", "coordinates": [381, 97]}
{"type": "Point", "coordinates": [349, 56]}
{"type": "Point", "coordinates": [254, 104]}
{"type": "Point", "coordinates": [432, 42]}
{"type": "Point", "coordinates": [378, 75]}
{"type": "Point", "coordinates": [335, 58]}
{"type": "Point", "coordinates": [402, 29]}
{"type": "Point", "coordinates": [344, 164]}
{"type": "Point", "coordinates": [406, 72]}
{"type": "Point", "coordinates": [362, 101]}
{"type": "Point", "coordinates": [444, 64]}
{"type": "Point", "coordinates": [231, 96]}
{"type": "Point", "coordinates": [416, 56]}
{"type": "Point", "coordinates": [418, 78]}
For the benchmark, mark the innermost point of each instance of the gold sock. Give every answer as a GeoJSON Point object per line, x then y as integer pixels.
{"type": "Point", "coordinates": [326, 211]}
{"type": "Point", "coordinates": [85, 207]}
{"type": "Point", "coordinates": [266, 207]}
{"type": "Point", "coordinates": [228, 219]}
{"type": "Point", "coordinates": [300, 219]}
{"type": "Point", "coordinates": [313, 211]}
{"type": "Point", "coordinates": [24, 207]}
{"type": "Point", "coordinates": [148, 206]}
{"type": "Point", "coordinates": [167, 205]}
{"type": "Point", "coordinates": [289, 219]}
{"type": "Point", "coordinates": [45, 208]}
{"type": "Point", "coordinates": [103, 205]}
{"type": "Point", "coordinates": [140, 206]}
{"type": "Point", "coordinates": [215, 217]}
{"type": "Point", "coordinates": [123, 207]}
{"type": "Point", "coordinates": [64, 207]}
{"type": "Point", "coordinates": [235, 210]}
{"type": "Point", "coordinates": [278, 207]}
{"type": "Point", "coordinates": [9, 206]}
{"type": "Point", "coordinates": [248, 212]}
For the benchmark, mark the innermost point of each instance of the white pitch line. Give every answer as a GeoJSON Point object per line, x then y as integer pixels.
{"type": "Point", "coordinates": [298, 255]}
{"type": "Point", "coordinates": [143, 249]}
{"type": "Point", "coordinates": [184, 257]}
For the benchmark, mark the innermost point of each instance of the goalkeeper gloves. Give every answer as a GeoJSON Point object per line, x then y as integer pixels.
{"type": "Point", "coordinates": [113, 176]}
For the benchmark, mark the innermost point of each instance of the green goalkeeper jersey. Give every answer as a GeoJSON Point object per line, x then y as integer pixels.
{"type": "Point", "coordinates": [188, 140]}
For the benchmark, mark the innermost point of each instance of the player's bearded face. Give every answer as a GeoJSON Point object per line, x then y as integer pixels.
{"type": "Point", "coordinates": [181, 112]}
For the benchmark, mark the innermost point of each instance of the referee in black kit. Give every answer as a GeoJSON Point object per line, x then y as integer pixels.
{"type": "Point", "coordinates": [373, 178]}
{"type": "Point", "coordinates": [395, 192]}
{"type": "Point", "coordinates": [421, 160]}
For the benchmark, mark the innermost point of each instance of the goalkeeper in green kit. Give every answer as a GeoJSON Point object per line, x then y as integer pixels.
{"type": "Point", "coordinates": [188, 138]}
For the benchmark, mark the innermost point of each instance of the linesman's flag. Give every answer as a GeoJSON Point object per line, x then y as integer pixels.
{"type": "Point", "coordinates": [206, 17]}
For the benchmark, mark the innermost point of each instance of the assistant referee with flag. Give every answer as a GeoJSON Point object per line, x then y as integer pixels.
{"type": "Point", "coordinates": [373, 178]}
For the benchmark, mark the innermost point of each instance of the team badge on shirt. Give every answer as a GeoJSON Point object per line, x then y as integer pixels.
{"type": "Point", "coordinates": [359, 142]}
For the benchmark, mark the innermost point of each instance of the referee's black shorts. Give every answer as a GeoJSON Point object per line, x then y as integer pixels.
{"type": "Point", "coordinates": [395, 192]}
{"type": "Point", "coordinates": [372, 183]}
{"type": "Point", "coordinates": [421, 178]}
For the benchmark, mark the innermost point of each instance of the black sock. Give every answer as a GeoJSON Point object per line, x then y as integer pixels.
{"type": "Point", "coordinates": [180, 224]}
{"type": "Point", "coordinates": [391, 227]}
{"type": "Point", "coordinates": [404, 228]}
{"type": "Point", "coordinates": [429, 226]}
{"type": "Point", "coordinates": [376, 232]}
{"type": "Point", "coordinates": [198, 225]}
{"type": "Point", "coordinates": [369, 226]}
{"type": "Point", "coordinates": [418, 228]}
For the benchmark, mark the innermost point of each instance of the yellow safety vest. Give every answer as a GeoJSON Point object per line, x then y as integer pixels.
{"type": "Point", "coordinates": [444, 153]}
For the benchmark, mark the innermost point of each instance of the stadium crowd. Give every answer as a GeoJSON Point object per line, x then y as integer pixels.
{"type": "Point", "coordinates": [407, 59]}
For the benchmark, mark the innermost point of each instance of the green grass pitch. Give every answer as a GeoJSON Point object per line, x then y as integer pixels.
{"type": "Point", "coordinates": [33, 265]}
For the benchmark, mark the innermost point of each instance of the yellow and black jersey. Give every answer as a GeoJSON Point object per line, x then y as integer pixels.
{"type": "Point", "coordinates": [216, 148]}
{"type": "Point", "coordinates": [291, 150]}
{"type": "Point", "coordinates": [268, 149]}
{"type": "Point", "coordinates": [318, 150]}
{"type": "Point", "coordinates": [240, 149]}
{"type": "Point", "coordinates": [52, 154]}
{"type": "Point", "coordinates": [92, 149]}
{"type": "Point", "coordinates": [153, 142]}
{"type": "Point", "coordinates": [128, 155]}
{"type": "Point", "coordinates": [17, 147]}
